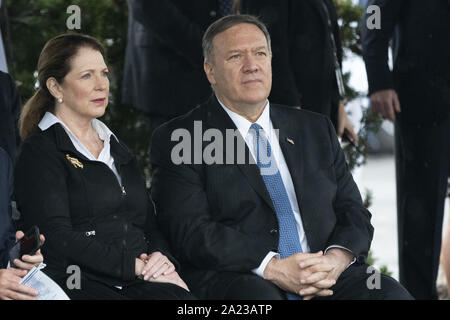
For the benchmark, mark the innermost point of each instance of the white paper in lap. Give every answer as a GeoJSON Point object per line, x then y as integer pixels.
{"type": "Point", "coordinates": [48, 289]}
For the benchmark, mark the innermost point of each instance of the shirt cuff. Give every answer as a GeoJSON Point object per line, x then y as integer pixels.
{"type": "Point", "coordinates": [341, 247]}
{"type": "Point", "coordinates": [260, 270]}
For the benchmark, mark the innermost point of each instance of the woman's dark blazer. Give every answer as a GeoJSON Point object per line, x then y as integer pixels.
{"type": "Point", "coordinates": [88, 218]}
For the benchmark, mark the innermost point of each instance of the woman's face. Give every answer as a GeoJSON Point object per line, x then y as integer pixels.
{"type": "Point", "coordinates": [85, 88]}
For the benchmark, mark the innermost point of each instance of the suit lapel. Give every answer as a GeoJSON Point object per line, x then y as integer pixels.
{"type": "Point", "coordinates": [251, 171]}
{"type": "Point", "coordinates": [293, 147]}
{"type": "Point", "coordinates": [290, 141]}
{"type": "Point", "coordinates": [219, 119]}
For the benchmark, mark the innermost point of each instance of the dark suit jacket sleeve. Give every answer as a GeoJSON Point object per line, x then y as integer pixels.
{"type": "Point", "coordinates": [353, 229]}
{"type": "Point", "coordinates": [157, 241]}
{"type": "Point", "coordinates": [375, 45]}
{"type": "Point", "coordinates": [185, 216]}
{"type": "Point", "coordinates": [42, 194]}
{"type": "Point", "coordinates": [336, 33]}
{"type": "Point", "coordinates": [9, 113]}
{"type": "Point", "coordinates": [16, 108]}
{"type": "Point", "coordinates": [6, 227]}
{"type": "Point", "coordinates": [171, 27]}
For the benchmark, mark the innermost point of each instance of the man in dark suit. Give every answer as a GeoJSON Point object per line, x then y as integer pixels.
{"type": "Point", "coordinates": [307, 54]}
{"type": "Point", "coordinates": [163, 74]}
{"type": "Point", "coordinates": [246, 230]}
{"type": "Point", "coordinates": [10, 106]}
{"type": "Point", "coordinates": [10, 278]}
{"type": "Point", "coordinates": [416, 97]}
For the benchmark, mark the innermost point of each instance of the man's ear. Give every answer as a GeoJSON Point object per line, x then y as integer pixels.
{"type": "Point", "coordinates": [209, 70]}
{"type": "Point", "coordinates": [54, 88]}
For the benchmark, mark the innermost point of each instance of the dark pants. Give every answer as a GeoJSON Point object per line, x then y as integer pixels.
{"type": "Point", "coordinates": [236, 286]}
{"type": "Point", "coordinates": [356, 283]}
{"type": "Point", "coordinates": [359, 282]}
{"type": "Point", "coordinates": [422, 167]}
{"type": "Point", "coordinates": [141, 290]}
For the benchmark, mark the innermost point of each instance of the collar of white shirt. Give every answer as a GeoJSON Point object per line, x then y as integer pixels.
{"type": "Point", "coordinates": [102, 130]}
{"type": "Point", "coordinates": [244, 125]}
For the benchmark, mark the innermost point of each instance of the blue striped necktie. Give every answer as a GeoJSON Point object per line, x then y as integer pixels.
{"type": "Point", "coordinates": [289, 242]}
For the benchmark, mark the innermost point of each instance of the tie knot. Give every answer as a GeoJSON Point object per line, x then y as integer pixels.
{"type": "Point", "coordinates": [256, 127]}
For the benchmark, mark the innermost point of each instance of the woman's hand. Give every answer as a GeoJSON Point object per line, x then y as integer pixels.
{"type": "Point", "coordinates": [156, 264]}
{"type": "Point", "coordinates": [158, 268]}
{"type": "Point", "coordinates": [173, 278]}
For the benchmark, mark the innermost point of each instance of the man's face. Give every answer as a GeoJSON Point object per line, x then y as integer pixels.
{"type": "Point", "coordinates": [241, 70]}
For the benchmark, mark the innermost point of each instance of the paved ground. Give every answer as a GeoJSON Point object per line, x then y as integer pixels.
{"type": "Point", "coordinates": [378, 176]}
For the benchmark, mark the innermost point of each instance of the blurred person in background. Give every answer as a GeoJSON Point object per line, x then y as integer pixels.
{"type": "Point", "coordinates": [307, 59]}
{"type": "Point", "coordinates": [10, 287]}
{"type": "Point", "coordinates": [415, 96]}
{"type": "Point", "coordinates": [10, 106]}
{"type": "Point", "coordinates": [163, 74]}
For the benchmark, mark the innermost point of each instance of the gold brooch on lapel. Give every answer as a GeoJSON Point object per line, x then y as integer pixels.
{"type": "Point", "coordinates": [75, 162]}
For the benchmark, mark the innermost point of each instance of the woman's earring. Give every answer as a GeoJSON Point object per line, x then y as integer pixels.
{"type": "Point", "coordinates": [60, 100]}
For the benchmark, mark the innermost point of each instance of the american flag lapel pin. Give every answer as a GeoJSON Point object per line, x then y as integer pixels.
{"type": "Point", "coordinates": [290, 141]}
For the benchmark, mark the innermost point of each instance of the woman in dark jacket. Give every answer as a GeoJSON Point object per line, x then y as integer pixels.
{"type": "Point", "coordinates": [83, 188]}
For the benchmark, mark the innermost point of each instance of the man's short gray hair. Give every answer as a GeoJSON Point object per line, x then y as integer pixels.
{"type": "Point", "coordinates": [226, 23]}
